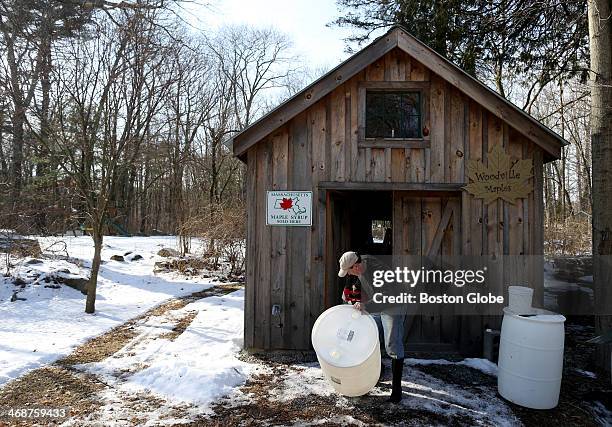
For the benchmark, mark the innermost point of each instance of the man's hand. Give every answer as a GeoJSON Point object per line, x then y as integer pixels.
{"type": "Point", "coordinates": [359, 306]}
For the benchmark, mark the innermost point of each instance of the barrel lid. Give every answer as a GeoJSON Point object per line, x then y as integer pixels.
{"type": "Point", "coordinates": [537, 315]}
{"type": "Point", "coordinates": [344, 337]}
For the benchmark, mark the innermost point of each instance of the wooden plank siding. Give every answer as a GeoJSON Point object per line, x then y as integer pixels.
{"type": "Point", "coordinates": [289, 266]}
{"type": "Point", "coordinates": [299, 238]}
{"type": "Point", "coordinates": [251, 284]}
{"type": "Point", "coordinates": [280, 174]}
{"type": "Point", "coordinates": [264, 252]}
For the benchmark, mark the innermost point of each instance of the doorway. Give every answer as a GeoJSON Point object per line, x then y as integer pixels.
{"type": "Point", "coordinates": [418, 225]}
{"type": "Point", "coordinates": [359, 221]}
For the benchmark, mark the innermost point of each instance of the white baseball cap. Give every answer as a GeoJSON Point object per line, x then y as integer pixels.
{"type": "Point", "coordinates": [347, 260]}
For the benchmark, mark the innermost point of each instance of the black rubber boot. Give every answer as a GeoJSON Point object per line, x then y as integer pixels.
{"type": "Point", "coordinates": [397, 369]}
{"type": "Point", "coordinates": [382, 371]}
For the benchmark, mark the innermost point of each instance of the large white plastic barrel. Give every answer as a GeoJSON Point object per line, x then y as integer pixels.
{"type": "Point", "coordinates": [531, 358]}
{"type": "Point", "coordinates": [347, 346]}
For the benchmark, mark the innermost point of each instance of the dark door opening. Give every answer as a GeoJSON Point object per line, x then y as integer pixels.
{"type": "Point", "coordinates": [359, 221]}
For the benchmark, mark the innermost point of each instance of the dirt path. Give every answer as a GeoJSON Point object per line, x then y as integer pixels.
{"type": "Point", "coordinates": [90, 399]}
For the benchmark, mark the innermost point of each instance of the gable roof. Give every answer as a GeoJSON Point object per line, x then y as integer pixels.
{"type": "Point", "coordinates": [398, 37]}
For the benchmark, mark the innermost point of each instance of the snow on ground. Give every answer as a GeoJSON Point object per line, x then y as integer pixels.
{"type": "Point", "coordinates": [343, 420]}
{"type": "Point", "coordinates": [303, 380]}
{"type": "Point", "coordinates": [162, 377]}
{"type": "Point", "coordinates": [588, 374]}
{"type": "Point", "coordinates": [50, 323]}
{"type": "Point", "coordinates": [602, 414]}
{"type": "Point", "coordinates": [450, 400]}
{"type": "Point", "coordinates": [482, 365]}
{"type": "Point", "coordinates": [421, 392]}
{"type": "Point", "coordinates": [199, 366]}
{"type": "Point", "coordinates": [184, 374]}
{"type": "Point", "coordinates": [190, 372]}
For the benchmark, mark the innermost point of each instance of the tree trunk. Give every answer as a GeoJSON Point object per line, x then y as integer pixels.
{"type": "Point", "coordinates": [499, 77]}
{"type": "Point", "coordinates": [4, 173]}
{"type": "Point", "coordinates": [600, 35]}
{"type": "Point", "coordinates": [46, 187]}
{"type": "Point", "coordinates": [441, 25]}
{"type": "Point", "coordinates": [17, 158]}
{"type": "Point", "coordinates": [90, 305]}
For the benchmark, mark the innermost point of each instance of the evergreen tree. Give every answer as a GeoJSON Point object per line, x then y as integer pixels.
{"type": "Point", "coordinates": [543, 40]}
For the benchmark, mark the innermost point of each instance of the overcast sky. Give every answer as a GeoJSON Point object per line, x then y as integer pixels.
{"type": "Point", "coordinates": [303, 20]}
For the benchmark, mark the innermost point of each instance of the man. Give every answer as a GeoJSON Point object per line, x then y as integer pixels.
{"type": "Point", "coordinates": [390, 320]}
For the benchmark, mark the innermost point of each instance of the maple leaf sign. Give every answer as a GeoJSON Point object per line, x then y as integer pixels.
{"type": "Point", "coordinates": [501, 178]}
{"type": "Point", "coordinates": [286, 204]}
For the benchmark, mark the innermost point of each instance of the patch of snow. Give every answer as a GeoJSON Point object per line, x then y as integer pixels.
{"type": "Point", "coordinates": [482, 365]}
{"type": "Point", "coordinates": [7, 233]}
{"type": "Point", "coordinates": [50, 323]}
{"type": "Point", "coordinates": [343, 420]}
{"type": "Point", "coordinates": [567, 297]}
{"type": "Point", "coordinates": [124, 409]}
{"type": "Point", "coordinates": [602, 414]}
{"type": "Point", "coordinates": [201, 364]}
{"type": "Point", "coordinates": [479, 404]}
{"type": "Point", "coordinates": [586, 373]}
{"type": "Point", "coordinates": [302, 380]}
{"type": "Point", "coordinates": [421, 391]}
{"type": "Point", "coordinates": [196, 368]}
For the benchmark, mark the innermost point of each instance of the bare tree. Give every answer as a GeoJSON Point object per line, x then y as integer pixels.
{"type": "Point", "coordinates": [253, 60]}
{"type": "Point", "coordinates": [127, 119]}
{"type": "Point", "coordinates": [109, 89]}
{"type": "Point", "coordinates": [189, 107]}
{"type": "Point", "coordinates": [24, 60]}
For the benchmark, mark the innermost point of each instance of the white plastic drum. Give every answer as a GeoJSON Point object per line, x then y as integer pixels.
{"type": "Point", "coordinates": [346, 343]}
{"type": "Point", "coordinates": [531, 358]}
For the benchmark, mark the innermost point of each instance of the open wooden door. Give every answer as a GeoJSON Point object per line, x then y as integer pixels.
{"type": "Point", "coordinates": [427, 227]}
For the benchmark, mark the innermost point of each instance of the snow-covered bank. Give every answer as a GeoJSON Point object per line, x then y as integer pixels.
{"type": "Point", "coordinates": [50, 323]}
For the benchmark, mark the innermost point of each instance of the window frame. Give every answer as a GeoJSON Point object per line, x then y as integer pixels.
{"type": "Point", "coordinates": [421, 87]}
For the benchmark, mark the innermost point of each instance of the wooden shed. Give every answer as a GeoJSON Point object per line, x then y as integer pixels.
{"type": "Point", "coordinates": [383, 140]}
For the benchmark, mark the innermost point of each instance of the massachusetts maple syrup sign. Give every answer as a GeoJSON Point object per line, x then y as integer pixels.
{"type": "Point", "coordinates": [289, 208]}
{"type": "Point", "coordinates": [502, 177]}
